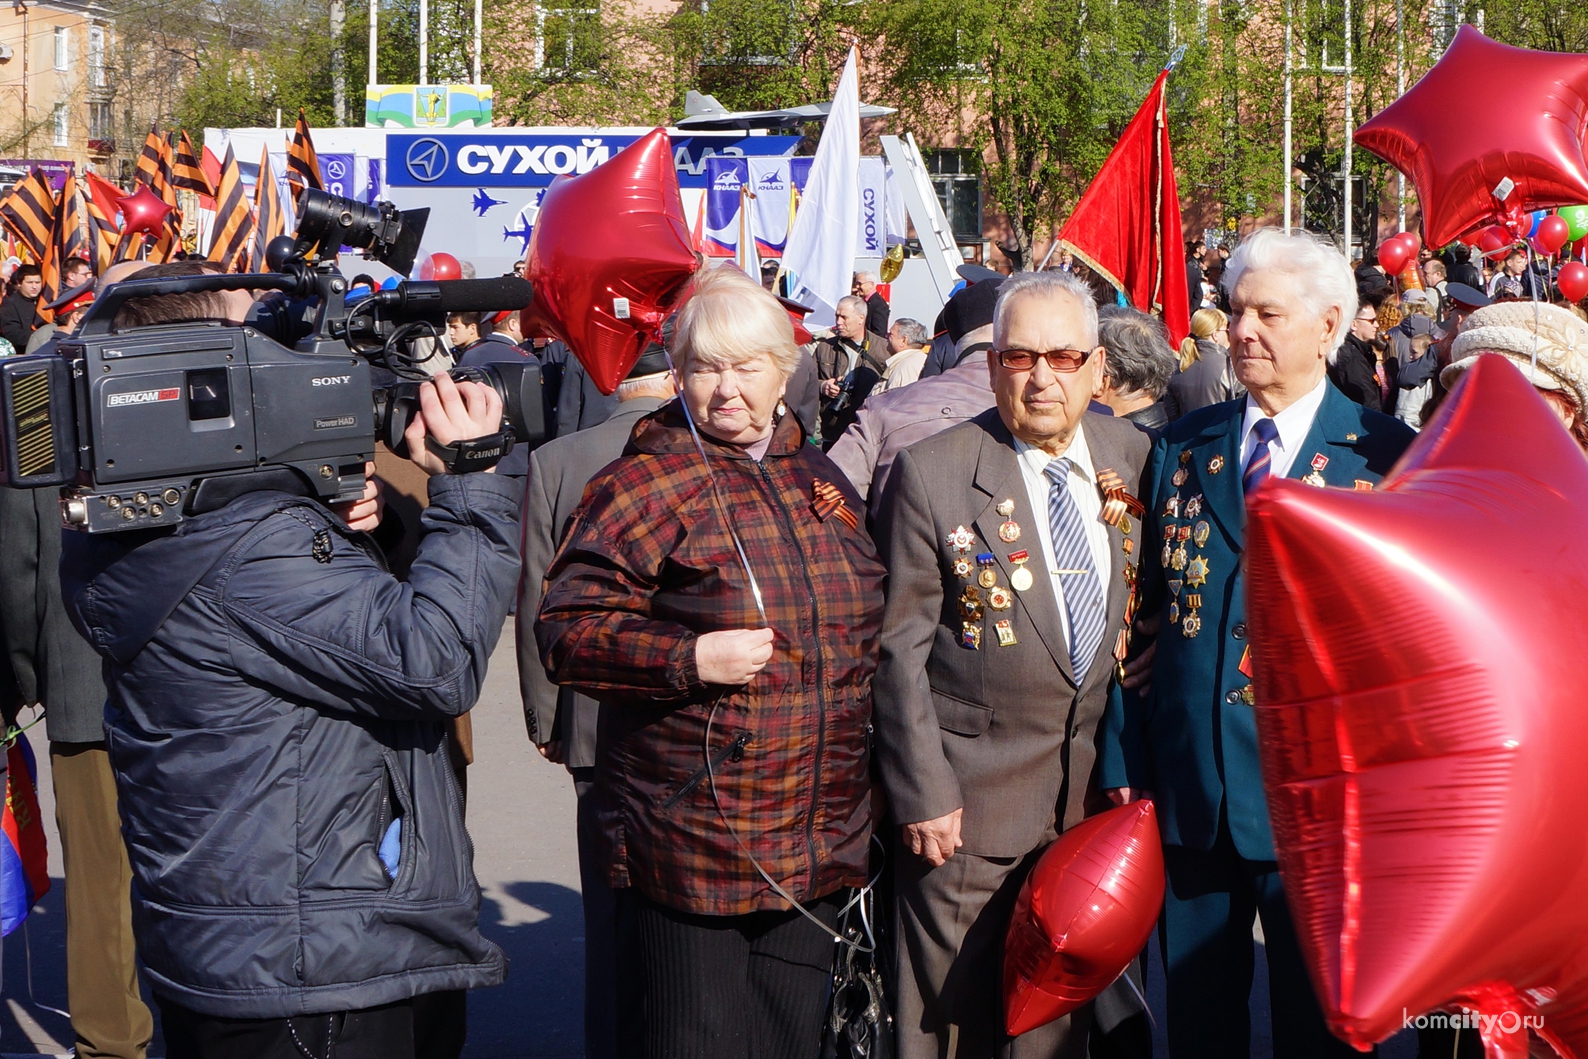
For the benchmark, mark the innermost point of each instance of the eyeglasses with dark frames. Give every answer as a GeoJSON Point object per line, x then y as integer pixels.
{"type": "Point", "coordinates": [1060, 360]}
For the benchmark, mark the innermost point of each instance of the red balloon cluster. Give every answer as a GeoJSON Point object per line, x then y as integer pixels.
{"type": "Point", "coordinates": [1398, 252]}
{"type": "Point", "coordinates": [609, 258]}
{"type": "Point", "coordinates": [1085, 911]}
{"type": "Point", "coordinates": [1530, 135]}
{"type": "Point", "coordinates": [143, 211]}
{"type": "Point", "coordinates": [1553, 233]}
{"type": "Point", "coordinates": [440, 266]}
{"type": "Point", "coordinates": [1427, 788]}
{"type": "Point", "coordinates": [1573, 281]}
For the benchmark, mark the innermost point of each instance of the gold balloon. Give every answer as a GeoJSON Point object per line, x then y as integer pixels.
{"type": "Point", "coordinates": [892, 263]}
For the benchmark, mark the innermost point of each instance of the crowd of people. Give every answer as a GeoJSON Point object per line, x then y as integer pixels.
{"type": "Point", "coordinates": [889, 607]}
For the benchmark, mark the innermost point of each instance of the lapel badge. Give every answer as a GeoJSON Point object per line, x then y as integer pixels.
{"type": "Point", "coordinates": [1185, 456]}
{"type": "Point", "coordinates": [1182, 533]}
{"type": "Point", "coordinates": [970, 636]}
{"type": "Point", "coordinates": [1005, 508]}
{"type": "Point", "coordinates": [1193, 507]}
{"type": "Point", "coordinates": [1021, 579]}
{"type": "Point", "coordinates": [962, 567]}
{"type": "Point", "coordinates": [1196, 572]}
{"type": "Point", "coordinates": [1168, 532]}
{"type": "Point", "coordinates": [1179, 477]}
{"type": "Point", "coordinates": [1200, 534]}
{"type": "Point", "coordinates": [1127, 546]}
{"type": "Point", "coordinates": [1215, 465]}
{"type": "Point", "coordinates": [961, 539]}
{"type": "Point", "coordinates": [1009, 532]}
{"type": "Point", "coordinates": [998, 598]}
{"type": "Point", "coordinates": [1363, 486]}
{"type": "Point", "coordinates": [1350, 437]}
{"type": "Point", "coordinates": [1171, 507]}
{"type": "Point", "coordinates": [1006, 633]}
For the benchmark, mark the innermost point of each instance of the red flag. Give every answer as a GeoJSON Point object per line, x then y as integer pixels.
{"type": "Point", "coordinates": [1127, 225]}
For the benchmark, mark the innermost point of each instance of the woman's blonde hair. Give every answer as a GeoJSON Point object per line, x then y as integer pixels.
{"type": "Point", "coordinates": [1389, 315]}
{"type": "Point", "coordinates": [728, 318]}
{"type": "Point", "coordinates": [1205, 323]}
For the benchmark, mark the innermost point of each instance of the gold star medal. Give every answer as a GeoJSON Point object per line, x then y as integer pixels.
{"type": "Point", "coordinates": [1196, 572]}
{"type": "Point", "coordinates": [961, 539]}
{"type": "Point", "coordinates": [1021, 579]}
{"type": "Point", "coordinates": [962, 567]}
{"type": "Point", "coordinates": [1177, 558]}
{"type": "Point", "coordinates": [1215, 465]}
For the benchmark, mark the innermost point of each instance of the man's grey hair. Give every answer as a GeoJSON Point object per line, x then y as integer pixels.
{"type": "Point", "coordinates": [913, 331]}
{"type": "Point", "coordinates": [1321, 277]}
{"type": "Point", "coordinates": [1046, 285]}
{"type": "Point", "coordinates": [855, 303]}
{"type": "Point", "coordinates": [867, 277]}
{"type": "Point", "coordinates": [659, 384]}
{"type": "Point", "coordinates": [1139, 358]}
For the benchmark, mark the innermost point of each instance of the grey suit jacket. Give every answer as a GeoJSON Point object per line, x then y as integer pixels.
{"type": "Point", "coordinates": [1002, 731]}
{"type": "Point", "coordinates": [558, 473]}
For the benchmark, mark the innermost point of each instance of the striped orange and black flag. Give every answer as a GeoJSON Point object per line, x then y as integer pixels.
{"type": "Point", "coordinates": [270, 216]}
{"type": "Point", "coordinates": [66, 240]}
{"type": "Point", "coordinates": [303, 164]}
{"type": "Point", "coordinates": [29, 211]}
{"type": "Point", "coordinates": [186, 172]}
{"type": "Point", "coordinates": [154, 163]}
{"type": "Point", "coordinates": [234, 218]}
{"type": "Point", "coordinates": [99, 197]}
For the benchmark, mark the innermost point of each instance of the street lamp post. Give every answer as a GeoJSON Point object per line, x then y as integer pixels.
{"type": "Point", "coordinates": [1289, 69]}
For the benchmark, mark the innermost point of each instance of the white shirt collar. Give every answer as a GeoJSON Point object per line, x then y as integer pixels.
{"type": "Point", "coordinates": [1078, 454]}
{"type": "Point", "coordinates": [1293, 425]}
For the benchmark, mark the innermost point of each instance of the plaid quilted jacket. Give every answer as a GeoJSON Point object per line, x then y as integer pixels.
{"type": "Point", "coordinates": [646, 568]}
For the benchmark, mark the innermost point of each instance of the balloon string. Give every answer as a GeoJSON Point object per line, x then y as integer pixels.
{"type": "Point", "coordinates": [716, 496]}
{"type": "Point", "coordinates": [1532, 286]}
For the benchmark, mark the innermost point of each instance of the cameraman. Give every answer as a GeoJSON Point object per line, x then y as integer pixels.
{"type": "Point", "coordinates": [302, 879]}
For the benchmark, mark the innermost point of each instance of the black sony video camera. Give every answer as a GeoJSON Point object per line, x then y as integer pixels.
{"type": "Point", "coordinates": [145, 426]}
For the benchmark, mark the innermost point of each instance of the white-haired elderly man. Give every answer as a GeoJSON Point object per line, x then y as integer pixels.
{"type": "Point", "coordinates": [1007, 593]}
{"type": "Point", "coordinates": [1190, 741]}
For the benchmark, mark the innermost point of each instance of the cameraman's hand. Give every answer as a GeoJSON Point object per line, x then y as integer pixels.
{"type": "Point", "coordinates": [451, 411]}
{"type": "Point", "coordinates": [364, 514]}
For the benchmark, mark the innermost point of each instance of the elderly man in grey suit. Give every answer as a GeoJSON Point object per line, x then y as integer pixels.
{"type": "Point", "coordinates": [1011, 542]}
{"type": "Point", "coordinates": [561, 723]}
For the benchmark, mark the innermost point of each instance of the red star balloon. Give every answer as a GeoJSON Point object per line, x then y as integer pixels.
{"type": "Point", "coordinates": [609, 256]}
{"type": "Point", "coordinates": [1457, 145]}
{"type": "Point", "coordinates": [142, 211]}
{"type": "Point", "coordinates": [1083, 914]}
{"type": "Point", "coordinates": [1420, 712]}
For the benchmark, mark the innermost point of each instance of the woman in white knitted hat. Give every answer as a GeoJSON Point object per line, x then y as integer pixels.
{"type": "Point", "coordinates": [1514, 330]}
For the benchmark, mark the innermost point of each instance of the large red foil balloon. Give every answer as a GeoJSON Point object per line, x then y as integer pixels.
{"type": "Point", "coordinates": [1422, 715]}
{"type": "Point", "coordinates": [609, 257]}
{"type": "Point", "coordinates": [1085, 911]}
{"type": "Point", "coordinates": [142, 211]}
{"type": "Point", "coordinates": [1531, 134]}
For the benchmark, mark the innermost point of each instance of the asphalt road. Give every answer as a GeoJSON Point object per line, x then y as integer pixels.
{"type": "Point", "coordinates": [521, 816]}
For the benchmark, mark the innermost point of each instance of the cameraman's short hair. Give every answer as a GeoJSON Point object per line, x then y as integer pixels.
{"type": "Point", "coordinates": [188, 307]}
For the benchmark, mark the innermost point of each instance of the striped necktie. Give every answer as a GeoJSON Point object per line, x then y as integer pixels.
{"type": "Point", "coordinates": [1077, 573]}
{"type": "Point", "coordinates": [1262, 458]}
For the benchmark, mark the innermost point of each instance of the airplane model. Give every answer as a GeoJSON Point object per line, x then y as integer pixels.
{"type": "Point", "coordinates": [483, 202]}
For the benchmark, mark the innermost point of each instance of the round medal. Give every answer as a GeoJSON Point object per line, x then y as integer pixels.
{"type": "Point", "coordinates": [1009, 532]}
{"type": "Point", "coordinates": [961, 567]}
{"type": "Point", "coordinates": [987, 578]}
{"type": "Point", "coordinates": [998, 598]}
{"type": "Point", "coordinates": [1021, 579]}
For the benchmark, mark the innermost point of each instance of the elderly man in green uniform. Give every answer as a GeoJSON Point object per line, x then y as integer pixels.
{"type": "Point", "coordinates": [1189, 741]}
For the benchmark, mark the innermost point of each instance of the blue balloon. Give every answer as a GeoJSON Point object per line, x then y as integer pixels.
{"type": "Point", "coordinates": [389, 282]}
{"type": "Point", "coordinates": [1537, 219]}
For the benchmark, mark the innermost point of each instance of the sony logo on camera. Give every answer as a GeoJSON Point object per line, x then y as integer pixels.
{"type": "Point", "coordinates": [121, 400]}
{"type": "Point", "coordinates": [332, 380]}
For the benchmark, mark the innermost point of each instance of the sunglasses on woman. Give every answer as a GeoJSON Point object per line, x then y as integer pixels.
{"type": "Point", "coordinates": [1061, 360]}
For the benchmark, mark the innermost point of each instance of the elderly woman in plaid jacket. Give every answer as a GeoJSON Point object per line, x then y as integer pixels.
{"type": "Point", "coordinates": [729, 747]}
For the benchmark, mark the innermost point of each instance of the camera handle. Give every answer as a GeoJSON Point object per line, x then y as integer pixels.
{"type": "Point", "coordinates": [299, 282]}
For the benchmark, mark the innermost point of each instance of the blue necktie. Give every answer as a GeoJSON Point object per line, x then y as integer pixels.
{"type": "Point", "coordinates": [1083, 590]}
{"type": "Point", "coordinates": [1258, 466]}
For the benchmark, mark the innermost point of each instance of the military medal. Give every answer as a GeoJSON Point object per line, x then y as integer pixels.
{"type": "Point", "coordinates": [1199, 534]}
{"type": "Point", "coordinates": [1006, 633]}
{"type": "Point", "coordinates": [1009, 532]}
{"type": "Point", "coordinates": [998, 598]}
{"type": "Point", "coordinates": [1177, 558]}
{"type": "Point", "coordinates": [1174, 604]}
{"type": "Point", "coordinates": [1179, 477]}
{"type": "Point", "coordinates": [1215, 465]}
{"type": "Point", "coordinates": [970, 636]}
{"type": "Point", "coordinates": [1125, 525]}
{"type": "Point", "coordinates": [961, 539]}
{"type": "Point", "coordinates": [1196, 572]}
{"type": "Point", "coordinates": [1193, 507]}
{"type": "Point", "coordinates": [1363, 486]}
{"type": "Point", "coordinates": [1185, 457]}
{"type": "Point", "coordinates": [1192, 624]}
{"type": "Point", "coordinates": [1020, 580]}
{"type": "Point", "coordinates": [962, 567]}
{"type": "Point", "coordinates": [1005, 508]}
{"type": "Point", "coordinates": [1319, 462]}
{"type": "Point", "coordinates": [1168, 553]}
{"type": "Point", "coordinates": [1182, 533]}
{"type": "Point", "coordinates": [970, 604]}
{"type": "Point", "coordinates": [988, 576]}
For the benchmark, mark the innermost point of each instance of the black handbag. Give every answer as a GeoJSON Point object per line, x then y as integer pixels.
{"type": "Point", "coordinates": [859, 1024]}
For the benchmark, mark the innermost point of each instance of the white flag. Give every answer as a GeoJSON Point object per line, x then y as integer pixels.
{"type": "Point", "coordinates": [821, 246]}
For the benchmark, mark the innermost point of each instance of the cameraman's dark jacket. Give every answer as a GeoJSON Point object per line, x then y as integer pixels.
{"type": "Point", "coordinates": [274, 697]}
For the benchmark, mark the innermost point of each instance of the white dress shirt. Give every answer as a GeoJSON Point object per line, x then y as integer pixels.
{"type": "Point", "coordinates": [1293, 425]}
{"type": "Point", "coordinates": [1082, 483]}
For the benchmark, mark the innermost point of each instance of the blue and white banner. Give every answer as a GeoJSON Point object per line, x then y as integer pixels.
{"type": "Point", "coordinates": [771, 182]}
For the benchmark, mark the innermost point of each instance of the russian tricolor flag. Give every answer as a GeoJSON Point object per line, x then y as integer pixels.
{"type": "Point", "coordinates": [24, 868]}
